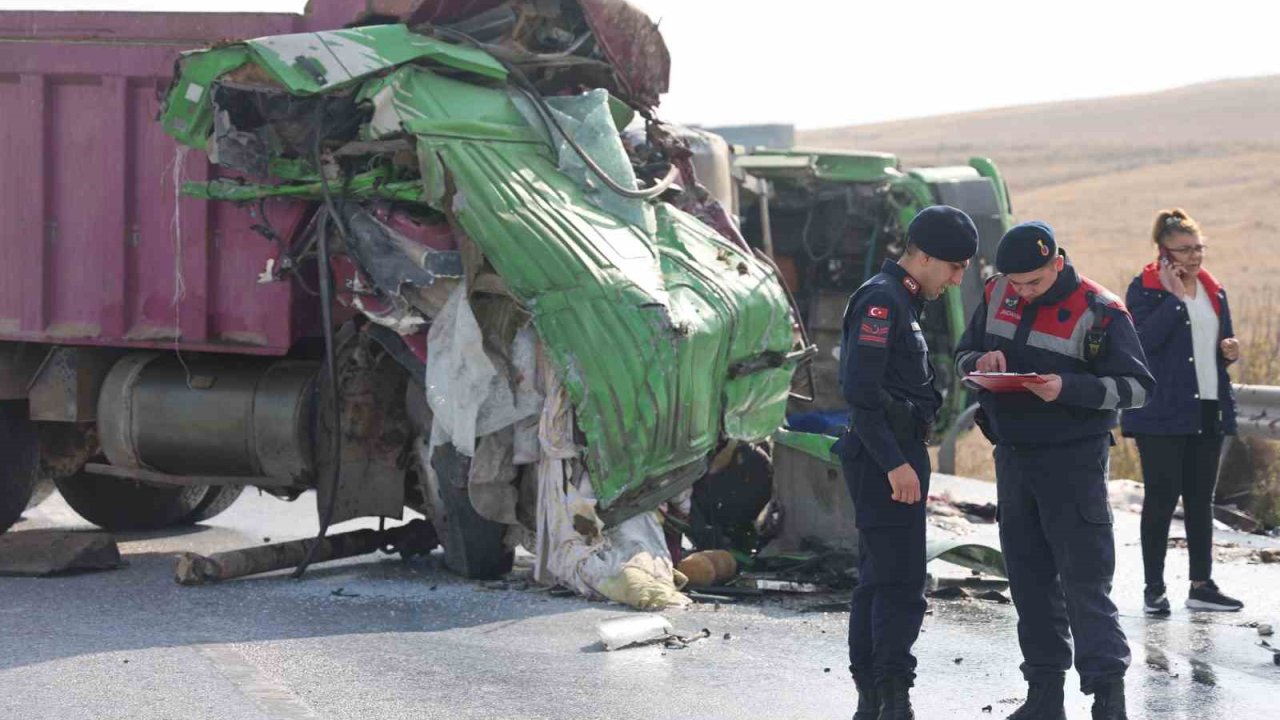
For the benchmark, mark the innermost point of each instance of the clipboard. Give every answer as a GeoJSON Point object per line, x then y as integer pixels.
{"type": "Point", "coordinates": [1002, 382]}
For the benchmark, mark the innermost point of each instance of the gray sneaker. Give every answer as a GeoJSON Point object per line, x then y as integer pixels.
{"type": "Point", "coordinates": [1208, 597]}
{"type": "Point", "coordinates": [1154, 600]}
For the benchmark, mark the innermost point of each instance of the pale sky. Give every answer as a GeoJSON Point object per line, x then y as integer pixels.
{"type": "Point", "coordinates": [819, 63]}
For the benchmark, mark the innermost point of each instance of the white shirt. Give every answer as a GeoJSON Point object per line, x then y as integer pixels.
{"type": "Point", "coordinates": [1204, 341]}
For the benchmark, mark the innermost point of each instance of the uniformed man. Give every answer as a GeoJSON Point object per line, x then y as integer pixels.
{"type": "Point", "coordinates": [1052, 444]}
{"type": "Point", "coordinates": [887, 379]}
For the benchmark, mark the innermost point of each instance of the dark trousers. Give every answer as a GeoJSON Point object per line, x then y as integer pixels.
{"type": "Point", "coordinates": [888, 604]}
{"type": "Point", "coordinates": [1173, 466]}
{"type": "Point", "coordinates": [1055, 530]}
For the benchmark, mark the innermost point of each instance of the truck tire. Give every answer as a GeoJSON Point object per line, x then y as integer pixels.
{"type": "Point", "coordinates": [473, 544]}
{"type": "Point", "coordinates": [19, 456]}
{"type": "Point", "coordinates": [119, 504]}
{"type": "Point", "coordinates": [217, 500]}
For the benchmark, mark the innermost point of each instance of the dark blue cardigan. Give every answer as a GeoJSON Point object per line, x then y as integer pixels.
{"type": "Point", "coordinates": [1164, 329]}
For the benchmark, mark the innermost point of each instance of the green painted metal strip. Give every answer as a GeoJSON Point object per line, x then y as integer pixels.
{"type": "Point", "coordinates": [813, 444]}
{"type": "Point", "coordinates": [188, 111]}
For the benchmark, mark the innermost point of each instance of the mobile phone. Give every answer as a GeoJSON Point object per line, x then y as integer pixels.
{"type": "Point", "coordinates": [1165, 258]}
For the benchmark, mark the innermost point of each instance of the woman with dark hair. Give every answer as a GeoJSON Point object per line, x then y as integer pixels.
{"type": "Point", "coordinates": [1184, 324]}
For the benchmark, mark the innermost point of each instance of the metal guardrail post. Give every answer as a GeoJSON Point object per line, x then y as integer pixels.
{"type": "Point", "coordinates": [947, 451]}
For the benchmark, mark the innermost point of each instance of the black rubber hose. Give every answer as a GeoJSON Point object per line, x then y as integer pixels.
{"type": "Point", "coordinates": [331, 356]}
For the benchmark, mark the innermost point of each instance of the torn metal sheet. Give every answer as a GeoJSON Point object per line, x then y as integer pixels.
{"type": "Point", "coordinates": [809, 488]}
{"type": "Point", "coordinates": [635, 48]}
{"type": "Point", "coordinates": [391, 259]}
{"type": "Point", "coordinates": [40, 553]}
{"type": "Point", "coordinates": [975, 556]}
{"type": "Point", "coordinates": [447, 11]}
{"type": "Point", "coordinates": [306, 64]}
{"type": "Point", "coordinates": [588, 119]}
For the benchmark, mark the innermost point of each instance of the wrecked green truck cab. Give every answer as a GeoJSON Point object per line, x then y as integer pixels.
{"type": "Point", "coordinates": [830, 218]}
{"type": "Point", "coordinates": [670, 337]}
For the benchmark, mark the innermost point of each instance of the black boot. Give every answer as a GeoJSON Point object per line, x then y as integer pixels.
{"type": "Point", "coordinates": [1044, 701]}
{"type": "Point", "coordinates": [1108, 701]}
{"type": "Point", "coordinates": [895, 698]}
{"type": "Point", "coordinates": [868, 699]}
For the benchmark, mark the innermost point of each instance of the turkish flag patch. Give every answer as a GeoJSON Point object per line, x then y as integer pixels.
{"type": "Point", "coordinates": [876, 311]}
{"type": "Point", "coordinates": [874, 332]}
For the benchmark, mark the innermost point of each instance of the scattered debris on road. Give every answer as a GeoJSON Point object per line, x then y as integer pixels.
{"type": "Point", "coordinates": [41, 553]}
{"type": "Point", "coordinates": [414, 538]}
{"type": "Point", "coordinates": [1236, 518]}
{"type": "Point", "coordinates": [633, 630]}
{"type": "Point", "coordinates": [952, 592]}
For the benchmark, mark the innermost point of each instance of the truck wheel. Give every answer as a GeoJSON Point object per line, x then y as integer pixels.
{"type": "Point", "coordinates": [114, 503]}
{"type": "Point", "coordinates": [19, 456]}
{"type": "Point", "coordinates": [218, 499]}
{"type": "Point", "coordinates": [473, 544]}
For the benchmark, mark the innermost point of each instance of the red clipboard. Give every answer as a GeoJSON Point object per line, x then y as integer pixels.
{"type": "Point", "coordinates": [1002, 382]}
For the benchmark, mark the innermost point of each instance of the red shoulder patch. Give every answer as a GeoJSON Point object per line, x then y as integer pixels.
{"type": "Point", "coordinates": [874, 332]}
{"type": "Point", "coordinates": [878, 311]}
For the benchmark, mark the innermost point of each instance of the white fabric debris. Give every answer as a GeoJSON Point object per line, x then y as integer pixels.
{"type": "Point", "coordinates": [491, 480]}
{"type": "Point", "coordinates": [469, 394]}
{"type": "Point", "coordinates": [628, 563]}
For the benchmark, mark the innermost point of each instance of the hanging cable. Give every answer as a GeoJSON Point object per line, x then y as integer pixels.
{"type": "Point", "coordinates": [547, 115]}
{"type": "Point", "coordinates": [331, 369]}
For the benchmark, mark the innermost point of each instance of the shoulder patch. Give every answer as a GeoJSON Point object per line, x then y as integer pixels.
{"type": "Point", "coordinates": [878, 311]}
{"type": "Point", "coordinates": [874, 332]}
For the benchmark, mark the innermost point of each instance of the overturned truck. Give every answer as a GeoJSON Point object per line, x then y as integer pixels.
{"type": "Point", "coordinates": [406, 263]}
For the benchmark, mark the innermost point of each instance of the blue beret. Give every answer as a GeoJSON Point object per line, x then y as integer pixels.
{"type": "Point", "coordinates": [1026, 247]}
{"type": "Point", "coordinates": [945, 233]}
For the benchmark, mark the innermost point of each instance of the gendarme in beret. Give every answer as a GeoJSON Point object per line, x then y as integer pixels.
{"type": "Point", "coordinates": [1026, 247]}
{"type": "Point", "coordinates": [945, 233]}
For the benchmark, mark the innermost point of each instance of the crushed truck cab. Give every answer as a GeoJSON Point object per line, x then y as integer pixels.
{"type": "Point", "coordinates": [427, 232]}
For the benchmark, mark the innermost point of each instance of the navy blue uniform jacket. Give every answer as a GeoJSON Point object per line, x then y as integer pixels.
{"type": "Point", "coordinates": [1076, 330]}
{"type": "Point", "coordinates": [883, 348]}
{"type": "Point", "coordinates": [1165, 332]}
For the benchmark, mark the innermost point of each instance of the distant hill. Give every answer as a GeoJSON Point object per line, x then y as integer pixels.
{"type": "Point", "coordinates": [1099, 169]}
{"type": "Point", "coordinates": [1208, 119]}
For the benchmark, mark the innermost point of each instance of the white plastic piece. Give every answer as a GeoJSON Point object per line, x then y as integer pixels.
{"type": "Point", "coordinates": [633, 629]}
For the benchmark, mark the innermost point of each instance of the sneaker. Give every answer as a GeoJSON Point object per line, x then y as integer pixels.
{"type": "Point", "coordinates": [1208, 597]}
{"type": "Point", "coordinates": [1154, 600]}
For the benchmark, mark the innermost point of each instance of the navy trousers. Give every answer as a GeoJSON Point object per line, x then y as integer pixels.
{"type": "Point", "coordinates": [888, 603]}
{"type": "Point", "coordinates": [1055, 530]}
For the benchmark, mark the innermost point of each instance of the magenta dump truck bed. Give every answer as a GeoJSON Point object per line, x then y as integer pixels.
{"type": "Point", "coordinates": [96, 247]}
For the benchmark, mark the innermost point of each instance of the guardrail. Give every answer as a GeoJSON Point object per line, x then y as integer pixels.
{"type": "Point", "coordinates": [1257, 415]}
{"type": "Point", "coordinates": [1258, 411]}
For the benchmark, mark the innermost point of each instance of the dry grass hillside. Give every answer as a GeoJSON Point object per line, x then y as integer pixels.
{"type": "Point", "coordinates": [1098, 170]}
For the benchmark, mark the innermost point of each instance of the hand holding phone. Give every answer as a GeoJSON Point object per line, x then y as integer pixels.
{"type": "Point", "coordinates": [1171, 275]}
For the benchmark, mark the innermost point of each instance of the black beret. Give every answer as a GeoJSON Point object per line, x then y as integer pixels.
{"type": "Point", "coordinates": [1026, 247]}
{"type": "Point", "coordinates": [945, 233]}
